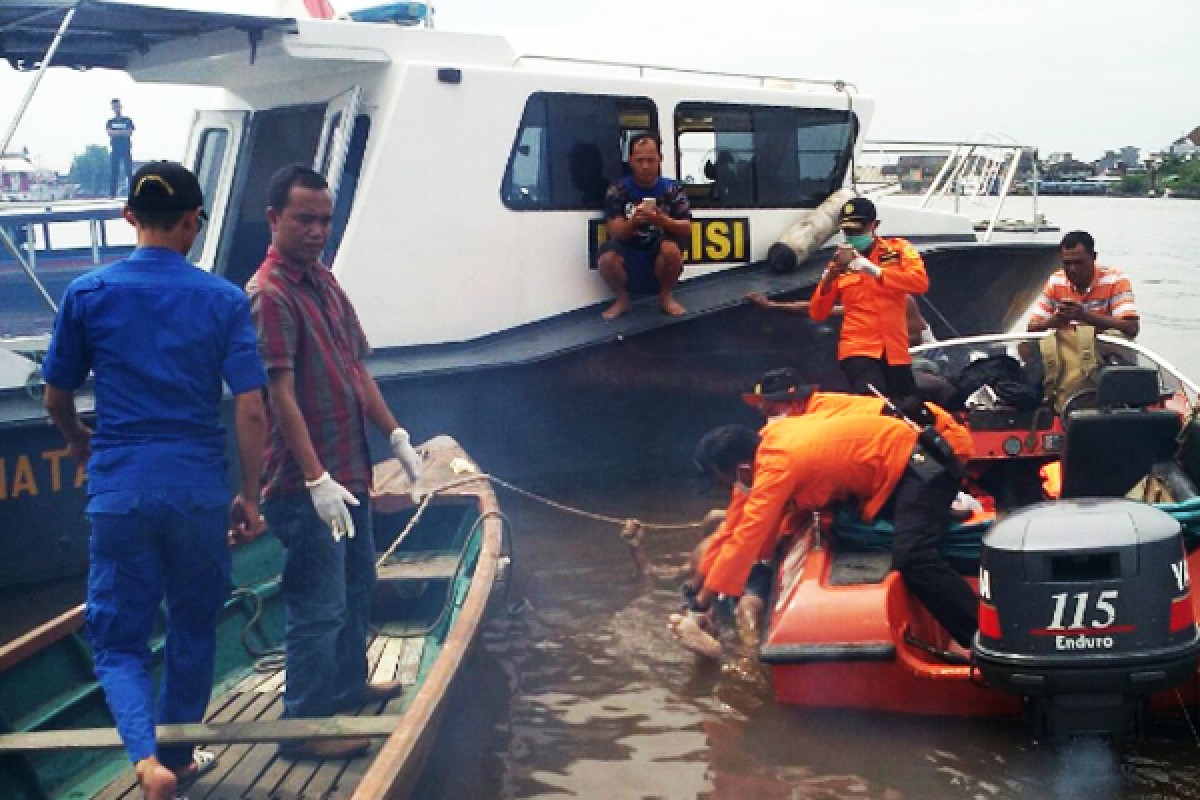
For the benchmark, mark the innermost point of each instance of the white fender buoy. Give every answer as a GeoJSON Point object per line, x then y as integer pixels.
{"type": "Point", "coordinates": [809, 234]}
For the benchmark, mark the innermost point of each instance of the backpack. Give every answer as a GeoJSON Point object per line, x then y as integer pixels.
{"type": "Point", "coordinates": [1070, 363]}
{"type": "Point", "coordinates": [1004, 375]}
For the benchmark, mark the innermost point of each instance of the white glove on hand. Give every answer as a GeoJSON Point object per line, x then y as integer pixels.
{"type": "Point", "coordinates": [403, 450]}
{"type": "Point", "coordinates": [330, 499]}
{"type": "Point", "coordinates": [862, 264]}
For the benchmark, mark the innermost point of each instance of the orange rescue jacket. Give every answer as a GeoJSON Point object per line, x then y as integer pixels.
{"type": "Point", "coordinates": [875, 324]}
{"type": "Point", "coordinates": [815, 460]}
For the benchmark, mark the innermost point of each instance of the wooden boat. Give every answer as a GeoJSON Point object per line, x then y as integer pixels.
{"type": "Point", "coordinates": [432, 594]}
{"type": "Point", "coordinates": [843, 632]}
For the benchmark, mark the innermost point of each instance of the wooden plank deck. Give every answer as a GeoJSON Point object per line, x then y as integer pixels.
{"type": "Point", "coordinates": [257, 771]}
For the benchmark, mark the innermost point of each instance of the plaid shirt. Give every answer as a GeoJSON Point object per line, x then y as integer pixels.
{"type": "Point", "coordinates": [306, 323]}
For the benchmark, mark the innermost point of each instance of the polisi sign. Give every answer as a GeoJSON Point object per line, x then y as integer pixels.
{"type": "Point", "coordinates": [715, 240]}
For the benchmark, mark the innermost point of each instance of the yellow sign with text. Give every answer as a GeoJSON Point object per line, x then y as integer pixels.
{"type": "Point", "coordinates": [39, 473]}
{"type": "Point", "coordinates": [721, 240]}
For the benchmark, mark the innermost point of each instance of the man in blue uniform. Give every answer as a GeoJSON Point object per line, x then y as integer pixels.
{"type": "Point", "coordinates": [160, 336]}
{"type": "Point", "coordinates": [649, 220]}
{"type": "Point", "coordinates": [120, 146]}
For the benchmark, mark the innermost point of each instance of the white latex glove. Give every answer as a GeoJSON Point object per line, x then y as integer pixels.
{"type": "Point", "coordinates": [403, 450]}
{"type": "Point", "coordinates": [863, 264]}
{"type": "Point", "coordinates": [330, 499]}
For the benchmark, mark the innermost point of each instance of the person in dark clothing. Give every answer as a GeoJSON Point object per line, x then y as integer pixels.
{"type": "Point", "coordinates": [120, 146]}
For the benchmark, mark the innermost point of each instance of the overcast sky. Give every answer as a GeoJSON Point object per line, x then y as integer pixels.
{"type": "Point", "coordinates": [1075, 75]}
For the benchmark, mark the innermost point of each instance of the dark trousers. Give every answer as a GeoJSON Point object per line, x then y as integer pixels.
{"type": "Point", "coordinates": [327, 588]}
{"type": "Point", "coordinates": [921, 517]}
{"type": "Point", "coordinates": [895, 381]}
{"type": "Point", "coordinates": [168, 542]}
{"type": "Point", "coordinates": [119, 160]}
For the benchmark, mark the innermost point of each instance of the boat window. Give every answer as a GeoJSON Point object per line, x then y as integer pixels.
{"type": "Point", "coordinates": [210, 156]}
{"type": "Point", "coordinates": [333, 129]}
{"type": "Point", "coordinates": [570, 147]}
{"type": "Point", "coordinates": [276, 137]}
{"type": "Point", "coordinates": [734, 156]}
{"type": "Point", "coordinates": [351, 171]}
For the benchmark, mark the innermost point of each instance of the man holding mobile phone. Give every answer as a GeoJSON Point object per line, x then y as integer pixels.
{"type": "Point", "coordinates": [649, 221]}
{"type": "Point", "coordinates": [872, 277]}
{"type": "Point", "coordinates": [1084, 293]}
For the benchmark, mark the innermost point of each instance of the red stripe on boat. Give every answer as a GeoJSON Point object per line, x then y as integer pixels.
{"type": "Point", "coordinates": [1183, 613]}
{"type": "Point", "coordinates": [1085, 631]}
{"type": "Point", "coordinates": [989, 621]}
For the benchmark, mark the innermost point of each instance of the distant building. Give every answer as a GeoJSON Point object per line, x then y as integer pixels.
{"type": "Point", "coordinates": [1119, 162]}
{"type": "Point", "coordinates": [1067, 169]}
{"type": "Point", "coordinates": [915, 172]}
{"type": "Point", "coordinates": [21, 181]}
{"type": "Point", "coordinates": [1187, 147]}
{"type": "Point", "coordinates": [1057, 158]}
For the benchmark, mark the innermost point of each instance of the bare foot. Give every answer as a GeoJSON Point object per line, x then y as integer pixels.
{"type": "Point", "coordinates": [671, 306]}
{"type": "Point", "coordinates": [689, 633]}
{"type": "Point", "coordinates": [157, 782]}
{"type": "Point", "coordinates": [618, 308]}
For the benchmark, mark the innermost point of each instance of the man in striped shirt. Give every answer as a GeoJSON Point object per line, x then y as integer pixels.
{"type": "Point", "coordinates": [317, 470]}
{"type": "Point", "coordinates": [1082, 293]}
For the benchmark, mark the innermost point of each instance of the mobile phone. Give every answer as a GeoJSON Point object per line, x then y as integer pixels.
{"type": "Point", "coordinates": [650, 203]}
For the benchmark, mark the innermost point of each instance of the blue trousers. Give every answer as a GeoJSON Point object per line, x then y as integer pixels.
{"type": "Point", "coordinates": [327, 588]}
{"type": "Point", "coordinates": [144, 545]}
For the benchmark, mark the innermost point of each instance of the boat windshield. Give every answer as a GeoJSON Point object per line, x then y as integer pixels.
{"type": "Point", "coordinates": [948, 359]}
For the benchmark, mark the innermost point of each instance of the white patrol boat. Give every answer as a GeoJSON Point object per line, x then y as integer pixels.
{"type": "Point", "coordinates": [469, 184]}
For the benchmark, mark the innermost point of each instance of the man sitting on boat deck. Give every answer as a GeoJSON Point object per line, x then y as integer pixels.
{"type": "Point", "coordinates": [871, 277]}
{"type": "Point", "coordinates": [649, 220]}
{"type": "Point", "coordinates": [1084, 293]}
{"type": "Point", "coordinates": [317, 467]}
{"type": "Point", "coordinates": [815, 460]}
{"type": "Point", "coordinates": [160, 336]}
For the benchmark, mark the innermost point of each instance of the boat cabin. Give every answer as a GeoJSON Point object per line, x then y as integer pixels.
{"type": "Point", "coordinates": [469, 179]}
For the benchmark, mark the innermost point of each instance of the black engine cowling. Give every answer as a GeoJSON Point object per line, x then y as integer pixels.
{"type": "Point", "coordinates": [1085, 609]}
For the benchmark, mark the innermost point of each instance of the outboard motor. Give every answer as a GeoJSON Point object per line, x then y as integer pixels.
{"type": "Point", "coordinates": [1086, 609]}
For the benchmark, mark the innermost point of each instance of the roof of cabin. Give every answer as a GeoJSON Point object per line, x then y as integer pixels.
{"type": "Point", "coordinates": [109, 34]}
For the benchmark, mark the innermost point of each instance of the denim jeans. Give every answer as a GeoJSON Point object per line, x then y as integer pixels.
{"type": "Point", "coordinates": [327, 588]}
{"type": "Point", "coordinates": [145, 544]}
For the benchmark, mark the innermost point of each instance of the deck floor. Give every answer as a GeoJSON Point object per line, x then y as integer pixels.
{"type": "Point", "coordinates": [257, 771]}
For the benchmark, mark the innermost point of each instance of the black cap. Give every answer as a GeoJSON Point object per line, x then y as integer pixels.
{"type": "Point", "coordinates": [164, 186]}
{"type": "Point", "coordinates": [856, 214]}
{"type": "Point", "coordinates": [723, 449]}
{"type": "Point", "coordinates": [779, 385]}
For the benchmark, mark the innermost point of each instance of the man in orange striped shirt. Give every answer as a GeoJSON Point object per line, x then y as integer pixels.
{"type": "Point", "coordinates": [815, 460]}
{"type": "Point", "coordinates": [1084, 293]}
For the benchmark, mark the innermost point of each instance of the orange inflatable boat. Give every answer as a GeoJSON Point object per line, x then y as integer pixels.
{"type": "Point", "coordinates": [1087, 618]}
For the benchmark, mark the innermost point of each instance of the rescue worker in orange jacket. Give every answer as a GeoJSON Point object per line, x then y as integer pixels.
{"type": "Point", "coordinates": [815, 460]}
{"type": "Point", "coordinates": [872, 278]}
{"type": "Point", "coordinates": [778, 395]}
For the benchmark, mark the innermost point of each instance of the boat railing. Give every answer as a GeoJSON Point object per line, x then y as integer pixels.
{"type": "Point", "coordinates": [643, 71]}
{"type": "Point", "coordinates": [31, 227]}
{"type": "Point", "coordinates": [984, 171]}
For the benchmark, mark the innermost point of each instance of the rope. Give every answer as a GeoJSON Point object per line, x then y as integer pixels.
{"type": "Point", "coordinates": [631, 529]}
